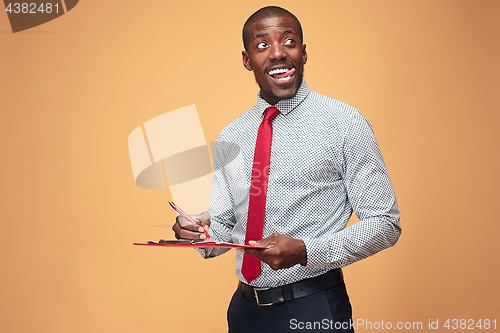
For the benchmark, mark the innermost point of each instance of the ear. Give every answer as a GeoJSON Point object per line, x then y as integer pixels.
{"type": "Point", "coordinates": [246, 61]}
{"type": "Point", "coordinates": [304, 53]}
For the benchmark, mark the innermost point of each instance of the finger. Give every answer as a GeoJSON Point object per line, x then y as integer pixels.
{"type": "Point", "coordinates": [186, 234]}
{"type": "Point", "coordinates": [253, 252]}
{"type": "Point", "coordinates": [203, 219]}
{"type": "Point", "coordinates": [264, 242]}
{"type": "Point", "coordinates": [243, 250]}
{"type": "Point", "coordinates": [271, 240]}
{"type": "Point", "coordinates": [181, 233]}
{"type": "Point", "coordinates": [205, 225]}
{"type": "Point", "coordinates": [186, 224]}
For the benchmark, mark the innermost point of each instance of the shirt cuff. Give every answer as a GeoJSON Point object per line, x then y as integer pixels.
{"type": "Point", "coordinates": [205, 251]}
{"type": "Point", "coordinates": [208, 252]}
{"type": "Point", "coordinates": [317, 252]}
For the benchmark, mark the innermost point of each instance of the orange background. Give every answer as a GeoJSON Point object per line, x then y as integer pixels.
{"type": "Point", "coordinates": [425, 73]}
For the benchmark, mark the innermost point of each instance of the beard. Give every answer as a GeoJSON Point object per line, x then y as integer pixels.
{"type": "Point", "coordinates": [281, 95]}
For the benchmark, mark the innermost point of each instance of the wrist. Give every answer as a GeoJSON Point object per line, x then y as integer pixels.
{"type": "Point", "coordinates": [303, 253]}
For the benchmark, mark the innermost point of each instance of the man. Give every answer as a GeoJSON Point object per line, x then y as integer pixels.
{"type": "Point", "coordinates": [292, 185]}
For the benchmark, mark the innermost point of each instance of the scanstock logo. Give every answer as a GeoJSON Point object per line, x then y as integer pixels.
{"type": "Point", "coordinates": [170, 151]}
{"type": "Point", "coordinates": [29, 14]}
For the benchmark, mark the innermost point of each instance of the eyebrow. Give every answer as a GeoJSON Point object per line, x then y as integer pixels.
{"type": "Point", "coordinates": [284, 32]}
{"type": "Point", "coordinates": [289, 31]}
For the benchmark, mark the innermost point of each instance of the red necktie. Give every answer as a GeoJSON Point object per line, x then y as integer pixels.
{"type": "Point", "coordinates": [258, 192]}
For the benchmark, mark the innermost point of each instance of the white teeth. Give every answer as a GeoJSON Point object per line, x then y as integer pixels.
{"type": "Point", "coordinates": [278, 71]}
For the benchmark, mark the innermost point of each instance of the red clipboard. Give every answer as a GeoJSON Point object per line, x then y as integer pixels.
{"type": "Point", "coordinates": [213, 244]}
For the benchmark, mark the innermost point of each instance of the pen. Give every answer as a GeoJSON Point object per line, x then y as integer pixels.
{"type": "Point", "coordinates": [181, 212]}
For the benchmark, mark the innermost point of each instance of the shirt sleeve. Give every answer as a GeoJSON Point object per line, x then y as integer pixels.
{"type": "Point", "coordinates": [372, 198]}
{"type": "Point", "coordinates": [221, 209]}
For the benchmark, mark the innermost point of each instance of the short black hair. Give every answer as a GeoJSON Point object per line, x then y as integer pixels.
{"type": "Point", "coordinates": [268, 12]}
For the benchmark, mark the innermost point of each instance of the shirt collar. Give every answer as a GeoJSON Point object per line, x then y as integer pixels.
{"type": "Point", "coordinates": [285, 105]}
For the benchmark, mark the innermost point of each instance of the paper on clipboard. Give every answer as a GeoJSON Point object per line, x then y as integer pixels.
{"type": "Point", "coordinates": [203, 244]}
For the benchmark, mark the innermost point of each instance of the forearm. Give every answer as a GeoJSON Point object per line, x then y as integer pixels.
{"type": "Point", "coordinates": [359, 241]}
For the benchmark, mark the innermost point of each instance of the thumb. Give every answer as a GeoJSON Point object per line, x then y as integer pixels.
{"type": "Point", "coordinates": [204, 219]}
{"type": "Point", "coordinates": [263, 242]}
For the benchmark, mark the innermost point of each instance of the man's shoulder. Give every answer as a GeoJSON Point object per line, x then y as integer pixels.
{"type": "Point", "coordinates": [337, 116]}
{"type": "Point", "coordinates": [333, 107]}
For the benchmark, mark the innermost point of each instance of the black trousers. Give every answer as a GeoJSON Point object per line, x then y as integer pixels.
{"type": "Point", "coordinates": [326, 311]}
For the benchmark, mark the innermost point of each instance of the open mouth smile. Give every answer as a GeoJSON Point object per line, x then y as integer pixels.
{"type": "Point", "coordinates": [282, 74]}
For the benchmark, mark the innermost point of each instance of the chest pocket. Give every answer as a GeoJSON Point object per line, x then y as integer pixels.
{"type": "Point", "coordinates": [303, 162]}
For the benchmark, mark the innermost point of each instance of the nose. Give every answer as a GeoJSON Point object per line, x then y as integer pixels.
{"type": "Point", "coordinates": [277, 52]}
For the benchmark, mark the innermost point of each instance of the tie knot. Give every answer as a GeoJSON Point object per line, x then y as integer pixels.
{"type": "Point", "coordinates": [271, 113]}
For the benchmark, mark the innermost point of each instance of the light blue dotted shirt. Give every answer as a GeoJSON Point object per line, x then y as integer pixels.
{"type": "Point", "coordinates": [325, 164]}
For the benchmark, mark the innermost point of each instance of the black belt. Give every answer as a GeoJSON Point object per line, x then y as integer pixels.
{"type": "Point", "coordinates": [282, 294]}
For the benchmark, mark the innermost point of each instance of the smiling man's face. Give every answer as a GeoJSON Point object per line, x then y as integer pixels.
{"type": "Point", "coordinates": [276, 56]}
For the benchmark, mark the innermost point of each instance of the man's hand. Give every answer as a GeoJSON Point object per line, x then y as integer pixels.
{"type": "Point", "coordinates": [186, 230]}
{"type": "Point", "coordinates": [284, 252]}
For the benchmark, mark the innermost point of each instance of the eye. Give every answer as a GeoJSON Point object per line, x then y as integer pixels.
{"type": "Point", "coordinates": [262, 45]}
{"type": "Point", "coordinates": [289, 42]}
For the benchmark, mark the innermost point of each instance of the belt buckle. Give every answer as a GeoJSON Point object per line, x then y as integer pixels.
{"type": "Point", "coordinates": [255, 291]}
